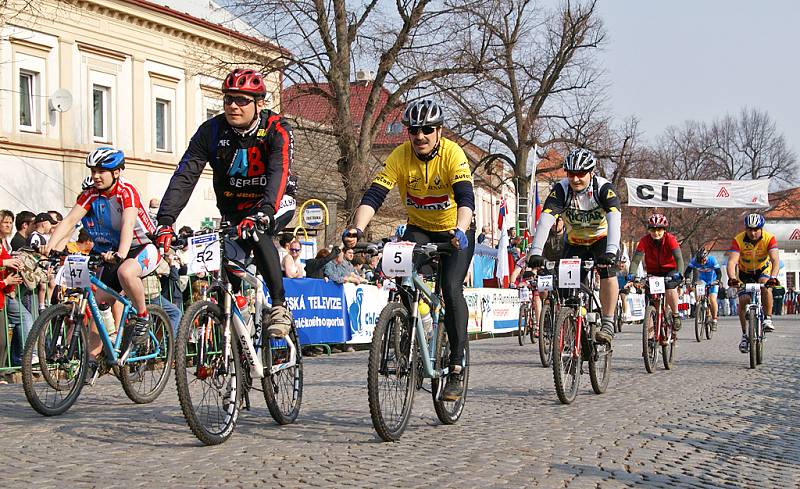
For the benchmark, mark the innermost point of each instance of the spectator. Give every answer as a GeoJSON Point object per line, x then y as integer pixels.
{"type": "Point", "coordinates": [733, 294]}
{"type": "Point", "coordinates": [152, 209]}
{"type": "Point", "coordinates": [154, 295]}
{"type": "Point", "coordinates": [174, 282]}
{"type": "Point", "coordinates": [340, 270]}
{"type": "Point", "coordinates": [358, 262]}
{"type": "Point", "coordinates": [42, 226]}
{"type": "Point", "coordinates": [6, 226]}
{"type": "Point", "coordinates": [371, 269]}
{"type": "Point", "coordinates": [315, 266]}
{"type": "Point", "coordinates": [24, 225]}
{"type": "Point", "coordinates": [19, 318]}
{"type": "Point", "coordinates": [485, 232]}
{"type": "Point", "coordinates": [790, 299]}
{"type": "Point", "coordinates": [777, 300]}
{"type": "Point", "coordinates": [83, 245]}
{"type": "Point", "coordinates": [283, 248]}
{"type": "Point", "coordinates": [56, 216]}
{"type": "Point", "coordinates": [291, 264]}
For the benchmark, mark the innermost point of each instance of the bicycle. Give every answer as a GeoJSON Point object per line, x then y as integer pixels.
{"type": "Point", "coordinates": [755, 324]}
{"type": "Point", "coordinates": [526, 322]}
{"type": "Point", "coordinates": [574, 340]}
{"type": "Point", "coordinates": [403, 353]}
{"type": "Point", "coordinates": [59, 337]}
{"type": "Point", "coordinates": [221, 349]}
{"type": "Point", "coordinates": [657, 328]}
{"type": "Point", "coordinates": [550, 308]}
{"type": "Point", "coordinates": [703, 323]}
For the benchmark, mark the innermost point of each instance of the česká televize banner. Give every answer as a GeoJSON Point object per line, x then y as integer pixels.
{"type": "Point", "coordinates": [697, 193]}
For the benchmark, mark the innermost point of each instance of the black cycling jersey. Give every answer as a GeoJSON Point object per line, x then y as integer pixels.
{"type": "Point", "coordinates": [251, 171]}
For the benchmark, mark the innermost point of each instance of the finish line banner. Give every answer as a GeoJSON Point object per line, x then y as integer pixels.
{"type": "Point", "coordinates": [697, 193]}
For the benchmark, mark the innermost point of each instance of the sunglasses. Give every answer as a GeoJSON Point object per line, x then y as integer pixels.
{"type": "Point", "coordinates": [426, 130]}
{"type": "Point", "coordinates": [295, 249]}
{"type": "Point", "coordinates": [579, 174]}
{"type": "Point", "coordinates": [239, 101]}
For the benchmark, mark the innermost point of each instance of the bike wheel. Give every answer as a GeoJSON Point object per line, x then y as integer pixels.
{"type": "Point", "coordinates": [566, 364]}
{"type": "Point", "coordinates": [448, 412]}
{"type": "Point", "coordinates": [546, 335]}
{"type": "Point", "coordinates": [532, 325]}
{"type": "Point", "coordinates": [283, 389]}
{"type": "Point", "coordinates": [144, 380]}
{"type": "Point", "coordinates": [391, 372]}
{"type": "Point", "coordinates": [700, 321]}
{"type": "Point", "coordinates": [209, 382]}
{"type": "Point", "coordinates": [600, 366]}
{"type": "Point", "coordinates": [522, 323]}
{"type": "Point", "coordinates": [618, 317]}
{"type": "Point", "coordinates": [62, 347]}
{"type": "Point", "coordinates": [760, 350]}
{"type": "Point", "coordinates": [668, 349]}
{"type": "Point", "coordinates": [751, 338]}
{"type": "Point", "coordinates": [649, 347]}
{"type": "Point", "coordinates": [709, 324]}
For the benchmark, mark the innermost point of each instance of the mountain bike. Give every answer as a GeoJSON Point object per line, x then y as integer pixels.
{"type": "Point", "coordinates": [550, 308]}
{"type": "Point", "coordinates": [755, 324]}
{"type": "Point", "coordinates": [657, 328]}
{"type": "Point", "coordinates": [402, 352]}
{"type": "Point", "coordinates": [222, 348]}
{"type": "Point", "coordinates": [575, 326]}
{"type": "Point", "coordinates": [703, 323]}
{"type": "Point", "coordinates": [59, 337]}
{"type": "Point", "coordinates": [526, 322]}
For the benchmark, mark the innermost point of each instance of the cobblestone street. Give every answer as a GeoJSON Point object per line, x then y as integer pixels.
{"type": "Point", "coordinates": [711, 422]}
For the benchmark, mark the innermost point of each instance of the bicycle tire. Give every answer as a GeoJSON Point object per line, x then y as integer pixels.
{"type": "Point", "coordinates": [533, 323]}
{"type": "Point", "coordinates": [283, 390]}
{"type": "Point", "coordinates": [566, 365]}
{"type": "Point", "coordinates": [153, 374]}
{"type": "Point", "coordinates": [522, 323]}
{"type": "Point", "coordinates": [618, 317]}
{"type": "Point", "coordinates": [392, 349]}
{"type": "Point", "coordinates": [709, 330]}
{"type": "Point", "coordinates": [448, 412]}
{"type": "Point", "coordinates": [56, 356]}
{"type": "Point", "coordinates": [699, 321]}
{"type": "Point", "coordinates": [649, 347]}
{"type": "Point", "coordinates": [546, 335]}
{"type": "Point", "coordinates": [760, 350]}
{"type": "Point", "coordinates": [668, 349]}
{"type": "Point", "coordinates": [599, 366]}
{"type": "Point", "coordinates": [206, 315]}
{"type": "Point", "coordinates": [751, 338]}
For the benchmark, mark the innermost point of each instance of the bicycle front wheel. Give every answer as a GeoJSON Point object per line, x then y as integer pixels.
{"type": "Point", "coordinates": [600, 366]}
{"type": "Point", "coordinates": [546, 335]}
{"type": "Point", "coordinates": [649, 346]}
{"type": "Point", "coordinates": [522, 323]}
{"type": "Point", "coordinates": [392, 372]}
{"type": "Point", "coordinates": [209, 381]}
{"type": "Point", "coordinates": [60, 343]}
{"type": "Point", "coordinates": [751, 337]}
{"type": "Point", "coordinates": [283, 389]}
{"type": "Point", "coordinates": [668, 338]}
{"type": "Point", "coordinates": [566, 360]}
{"type": "Point", "coordinates": [760, 350]}
{"type": "Point", "coordinates": [709, 325]}
{"type": "Point", "coordinates": [144, 380]}
{"type": "Point", "coordinates": [448, 412]}
{"type": "Point", "coordinates": [700, 321]}
{"type": "Point", "coordinates": [618, 317]}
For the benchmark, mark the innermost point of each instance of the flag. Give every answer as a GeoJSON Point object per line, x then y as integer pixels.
{"type": "Point", "coordinates": [502, 214]}
{"type": "Point", "coordinates": [502, 271]}
{"type": "Point", "coordinates": [533, 190]}
{"type": "Point", "coordinates": [537, 206]}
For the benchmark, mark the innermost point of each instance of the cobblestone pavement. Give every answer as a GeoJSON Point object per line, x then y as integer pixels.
{"type": "Point", "coordinates": [711, 422]}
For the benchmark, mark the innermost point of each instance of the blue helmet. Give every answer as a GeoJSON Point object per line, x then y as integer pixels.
{"type": "Point", "coordinates": [754, 221]}
{"type": "Point", "coordinates": [400, 231]}
{"type": "Point", "coordinates": [105, 158]}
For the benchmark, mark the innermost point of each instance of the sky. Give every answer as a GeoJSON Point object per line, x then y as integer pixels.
{"type": "Point", "coordinates": [676, 60]}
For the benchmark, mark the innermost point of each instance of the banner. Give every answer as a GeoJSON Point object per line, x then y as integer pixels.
{"type": "Point", "coordinates": [697, 193]}
{"type": "Point", "coordinates": [364, 306]}
{"type": "Point", "coordinates": [318, 308]}
{"type": "Point", "coordinates": [492, 310]}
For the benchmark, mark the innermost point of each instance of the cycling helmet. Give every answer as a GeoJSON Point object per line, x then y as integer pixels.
{"type": "Point", "coordinates": [424, 112]}
{"type": "Point", "coordinates": [245, 81]}
{"type": "Point", "coordinates": [658, 221]}
{"type": "Point", "coordinates": [701, 255]}
{"type": "Point", "coordinates": [87, 183]}
{"type": "Point", "coordinates": [754, 221]}
{"type": "Point", "coordinates": [580, 160]}
{"type": "Point", "coordinates": [106, 158]}
{"type": "Point", "coordinates": [400, 231]}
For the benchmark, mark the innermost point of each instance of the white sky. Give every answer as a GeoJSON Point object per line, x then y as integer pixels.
{"type": "Point", "coordinates": [674, 60]}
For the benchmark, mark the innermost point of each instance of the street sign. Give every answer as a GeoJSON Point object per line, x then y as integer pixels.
{"type": "Point", "coordinates": [313, 215]}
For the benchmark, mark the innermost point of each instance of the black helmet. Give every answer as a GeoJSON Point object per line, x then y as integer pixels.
{"type": "Point", "coordinates": [701, 254]}
{"type": "Point", "coordinates": [424, 112]}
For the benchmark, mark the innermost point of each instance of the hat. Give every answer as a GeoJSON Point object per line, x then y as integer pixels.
{"type": "Point", "coordinates": [44, 217]}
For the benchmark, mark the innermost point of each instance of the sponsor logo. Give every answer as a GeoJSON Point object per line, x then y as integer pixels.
{"type": "Point", "coordinates": [224, 142]}
{"type": "Point", "coordinates": [261, 132]}
{"type": "Point", "coordinates": [610, 194]}
{"type": "Point", "coordinates": [723, 193]}
{"type": "Point", "coordinates": [247, 163]}
{"type": "Point", "coordinates": [437, 180]}
{"type": "Point", "coordinates": [795, 234]}
{"type": "Point", "coordinates": [429, 203]}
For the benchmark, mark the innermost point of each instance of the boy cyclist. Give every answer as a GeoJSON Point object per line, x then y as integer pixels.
{"type": "Point", "coordinates": [705, 267]}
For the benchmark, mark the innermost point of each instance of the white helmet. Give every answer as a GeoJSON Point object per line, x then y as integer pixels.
{"type": "Point", "coordinates": [580, 160]}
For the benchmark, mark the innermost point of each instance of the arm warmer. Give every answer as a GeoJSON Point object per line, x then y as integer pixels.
{"type": "Point", "coordinates": [546, 221]}
{"type": "Point", "coordinates": [374, 196]}
{"type": "Point", "coordinates": [614, 224]}
{"type": "Point", "coordinates": [635, 261]}
{"type": "Point", "coordinates": [678, 258]}
{"type": "Point", "coordinates": [464, 195]}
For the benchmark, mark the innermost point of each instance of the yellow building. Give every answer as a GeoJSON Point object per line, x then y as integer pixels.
{"type": "Point", "coordinates": [78, 74]}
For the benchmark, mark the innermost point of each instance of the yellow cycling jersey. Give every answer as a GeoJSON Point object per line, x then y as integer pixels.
{"type": "Point", "coordinates": [754, 257]}
{"type": "Point", "coordinates": [427, 187]}
{"type": "Point", "coordinates": [584, 213]}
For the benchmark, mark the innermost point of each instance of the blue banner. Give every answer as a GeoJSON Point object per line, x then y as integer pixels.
{"type": "Point", "coordinates": [318, 308]}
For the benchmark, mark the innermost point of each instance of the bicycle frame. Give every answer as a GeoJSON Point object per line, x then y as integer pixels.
{"type": "Point", "coordinates": [583, 302]}
{"type": "Point", "coordinates": [657, 300]}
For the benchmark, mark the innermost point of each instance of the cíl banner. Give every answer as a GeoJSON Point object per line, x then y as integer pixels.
{"type": "Point", "coordinates": [697, 193]}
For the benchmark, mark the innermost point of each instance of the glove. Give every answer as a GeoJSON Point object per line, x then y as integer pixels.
{"type": "Point", "coordinates": [536, 261]}
{"type": "Point", "coordinates": [164, 235]}
{"type": "Point", "coordinates": [351, 236]}
{"type": "Point", "coordinates": [732, 282]}
{"type": "Point", "coordinates": [629, 277]}
{"type": "Point", "coordinates": [607, 259]}
{"type": "Point", "coordinates": [772, 282]}
{"type": "Point", "coordinates": [461, 238]}
{"type": "Point", "coordinates": [676, 277]}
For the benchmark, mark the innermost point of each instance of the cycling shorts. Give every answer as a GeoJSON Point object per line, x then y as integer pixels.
{"type": "Point", "coordinates": [751, 278]}
{"type": "Point", "coordinates": [147, 256]}
{"type": "Point", "coordinates": [590, 252]}
{"type": "Point", "coordinates": [708, 278]}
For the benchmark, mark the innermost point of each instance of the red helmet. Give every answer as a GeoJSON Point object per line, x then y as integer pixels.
{"type": "Point", "coordinates": [658, 221]}
{"type": "Point", "coordinates": [244, 81]}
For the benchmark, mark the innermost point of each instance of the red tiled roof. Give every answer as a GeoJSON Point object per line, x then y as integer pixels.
{"type": "Point", "coordinates": [304, 100]}
{"type": "Point", "coordinates": [784, 204]}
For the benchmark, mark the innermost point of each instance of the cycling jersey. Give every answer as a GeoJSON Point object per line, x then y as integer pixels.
{"type": "Point", "coordinates": [103, 220]}
{"type": "Point", "coordinates": [658, 256]}
{"type": "Point", "coordinates": [754, 257]}
{"type": "Point", "coordinates": [585, 212]}
{"type": "Point", "coordinates": [426, 188]}
{"type": "Point", "coordinates": [250, 171]}
{"type": "Point", "coordinates": [706, 271]}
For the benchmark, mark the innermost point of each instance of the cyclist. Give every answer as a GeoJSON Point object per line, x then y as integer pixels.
{"type": "Point", "coordinates": [706, 268]}
{"type": "Point", "coordinates": [662, 258]}
{"type": "Point", "coordinates": [591, 211]}
{"type": "Point", "coordinates": [249, 148]}
{"type": "Point", "coordinates": [755, 252]}
{"type": "Point", "coordinates": [435, 182]}
{"type": "Point", "coordinates": [113, 215]}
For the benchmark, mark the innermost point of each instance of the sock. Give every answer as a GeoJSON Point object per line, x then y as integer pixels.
{"type": "Point", "coordinates": [608, 320]}
{"type": "Point", "coordinates": [141, 314]}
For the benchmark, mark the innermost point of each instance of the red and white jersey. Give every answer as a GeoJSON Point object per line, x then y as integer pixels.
{"type": "Point", "coordinates": [103, 220]}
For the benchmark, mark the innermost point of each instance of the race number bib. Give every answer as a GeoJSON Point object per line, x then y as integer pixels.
{"type": "Point", "coordinates": [74, 273]}
{"type": "Point", "coordinates": [524, 294]}
{"type": "Point", "coordinates": [700, 290]}
{"type": "Point", "coordinates": [205, 253]}
{"type": "Point", "coordinates": [397, 259]}
{"type": "Point", "coordinates": [569, 273]}
{"type": "Point", "coordinates": [544, 283]}
{"type": "Point", "coordinates": [656, 285]}
{"type": "Point", "coordinates": [752, 288]}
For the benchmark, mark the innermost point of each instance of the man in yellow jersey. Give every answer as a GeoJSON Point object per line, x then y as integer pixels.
{"type": "Point", "coordinates": [435, 183]}
{"type": "Point", "coordinates": [755, 251]}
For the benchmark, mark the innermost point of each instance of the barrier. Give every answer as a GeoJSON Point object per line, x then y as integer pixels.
{"type": "Point", "coordinates": [492, 310]}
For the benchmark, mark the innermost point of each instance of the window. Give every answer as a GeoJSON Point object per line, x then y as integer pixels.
{"type": "Point", "coordinates": [790, 280]}
{"type": "Point", "coordinates": [101, 113]}
{"type": "Point", "coordinates": [163, 125]}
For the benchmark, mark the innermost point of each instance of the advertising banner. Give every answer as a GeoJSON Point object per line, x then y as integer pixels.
{"type": "Point", "coordinates": [364, 305]}
{"type": "Point", "coordinates": [697, 193]}
{"type": "Point", "coordinates": [492, 310]}
{"type": "Point", "coordinates": [318, 308]}
{"type": "Point", "coordinates": [636, 307]}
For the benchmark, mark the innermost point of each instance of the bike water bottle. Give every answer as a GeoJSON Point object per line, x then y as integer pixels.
{"type": "Point", "coordinates": [107, 318]}
{"type": "Point", "coordinates": [244, 308]}
{"type": "Point", "coordinates": [427, 319]}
